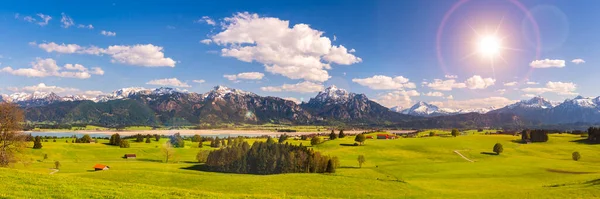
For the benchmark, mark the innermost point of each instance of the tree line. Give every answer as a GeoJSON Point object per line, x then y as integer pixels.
{"type": "Point", "coordinates": [538, 135]}
{"type": "Point", "coordinates": [269, 158]}
{"type": "Point", "coordinates": [593, 135]}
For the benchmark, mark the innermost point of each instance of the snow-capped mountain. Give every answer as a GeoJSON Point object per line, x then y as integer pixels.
{"type": "Point", "coordinates": [33, 99]}
{"type": "Point", "coordinates": [533, 103]}
{"type": "Point", "coordinates": [334, 94]}
{"type": "Point", "coordinates": [222, 91]}
{"type": "Point", "coordinates": [398, 109]}
{"type": "Point", "coordinates": [427, 110]}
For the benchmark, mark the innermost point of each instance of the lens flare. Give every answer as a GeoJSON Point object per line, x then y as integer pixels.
{"type": "Point", "coordinates": [489, 46]}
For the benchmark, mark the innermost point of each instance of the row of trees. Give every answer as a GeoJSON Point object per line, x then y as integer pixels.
{"type": "Point", "coordinates": [269, 158]}
{"type": "Point", "coordinates": [593, 135]}
{"type": "Point", "coordinates": [537, 135]}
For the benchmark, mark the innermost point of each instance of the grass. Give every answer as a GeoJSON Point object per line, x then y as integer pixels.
{"type": "Point", "coordinates": [402, 168]}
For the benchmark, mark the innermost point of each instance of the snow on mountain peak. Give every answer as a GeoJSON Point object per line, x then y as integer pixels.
{"type": "Point", "coordinates": [334, 93]}
{"type": "Point", "coordinates": [537, 102]}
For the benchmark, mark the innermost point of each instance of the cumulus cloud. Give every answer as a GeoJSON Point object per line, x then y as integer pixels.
{"type": "Point", "coordinates": [207, 20]}
{"type": "Point", "coordinates": [302, 87]}
{"type": "Point", "coordinates": [108, 33]}
{"type": "Point", "coordinates": [444, 85]}
{"type": "Point", "coordinates": [474, 103]}
{"type": "Point", "coordinates": [477, 82]}
{"type": "Point", "coordinates": [138, 55]}
{"type": "Point", "coordinates": [206, 41]}
{"type": "Point", "coordinates": [532, 83]}
{"type": "Point", "coordinates": [43, 21]}
{"type": "Point", "coordinates": [174, 82]}
{"type": "Point", "coordinates": [293, 99]}
{"type": "Point", "coordinates": [501, 91]}
{"type": "Point", "coordinates": [450, 97]}
{"type": "Point", "coordinates": [245, 76]}
{"type": "Point", "coordinates": [297, 52]}
{"type": "Point", "coordinates": [510, 83]}
{"type": "Point", "coordinates": [382, 82]}
{"type": "Point", "coordinates": [578, 61]}
{"type": "Point", "coordinates": [547, 63]}
{"type": "Point", "coordinates": [42, 87]}
{"type": "Point", "coordinates": [66, 21]}
{"type": "Point", "coordinates": [560, 88]}
{"type": "Point", "coordinates": [400, 98]}
{"type": "Point", "coordinates": [48, 67]}
{"type": "Point", "coordinates": [199, 81]}
{"type": "Point", "coordinates": [434, 94]}
{"type": "Point", "coordinates": [450, 76]}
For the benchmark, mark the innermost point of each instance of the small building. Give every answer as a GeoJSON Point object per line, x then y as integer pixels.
{"type": "Point", "coordinates": [384, 136]}
{"type": "Point", "coordinates": [129, 156]}
{"type": "Point", "coordinates": [369, 137]}
{"type": "Point", "coordinates": [101, 167]}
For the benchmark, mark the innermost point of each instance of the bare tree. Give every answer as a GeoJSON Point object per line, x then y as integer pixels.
{"type": "Point", "coordinates": [168, 151]}
{"type": "Point", "coordinates": [12, 140]}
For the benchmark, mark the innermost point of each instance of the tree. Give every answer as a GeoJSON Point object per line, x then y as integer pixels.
{"type": "Point", "coordinates": [270, 140]}
{"type": "Point", "coordinates": [196, 138]}
{"type": "Point", "coordinates": [498, 148]}
{"type": "Point", "coordinates": [86, 139]}
{"type": "Point", "coordinates": [576, 156]}
{"type": "Point", "coordinates": [454, 132]}
{"type": "Point", "coordinates": [57, 164]}
{"type": "Point", "coordinates": [361, 160]}
{"type": "Point", "coordinates": [115, 140]}
{"type": "Point", "coordinates": [139, 138]}
{"type": "Point", "coordinates": [168, 151]}
{"type": "Point", "coordinates": [148, 139]}
{"type": "Point", "coordinates": [360, 138]}
{"type": "Point", "coordinates": [124, 144]}
{"type": "Point", "coordinates": [342, 135]}
{"type": "Point", "coordinates": [45, 156]}
{"type": "Point", "coordinates": [200, 144]}
{"type": "Point", "coordinates": [177, 141]}
{"type": "Point", "coordinates": [156, 137]}
{"type": "Point", "coordinates": [332, 135]}
{"type": "Point", "coordinates": [37, 142]}
{"type": "Point", "coordinates": [202, 156]}
{"type": "Point", "coordinates": [283, 138]}
{"type": "Point", "coordinates": [315, 140]}
{"type": "Point", "coordinates": [330, 166]}
{"type": "Point", "coordinates": [12, 140]}
{"type": "Point", "coordinates": [431, 134]}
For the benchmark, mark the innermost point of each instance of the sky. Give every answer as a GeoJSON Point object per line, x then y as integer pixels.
{"type": "Point", "coordinates": [459, 54]}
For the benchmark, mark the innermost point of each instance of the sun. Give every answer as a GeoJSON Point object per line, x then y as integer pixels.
{"type": "Point", "coordinates": [489, 46]}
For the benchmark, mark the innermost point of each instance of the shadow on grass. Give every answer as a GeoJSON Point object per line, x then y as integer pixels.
{"type": "Point", "coordinates": [148, 160]}
{"type": "Point", "coordinates": [518, 141]}
{"type": "Point", "coordinates": [593, 182]}
{"type": "Point", "coordinates": [198, 167]}
{"type": "Point", "coordinates": [571, 172]}
{"type": "Point", "coordinates": [583, 141]}
{"type": "Point", "coordinates": [348, 167]}
{"type": "Point", "coordinates": [348, 145]}
{"type": "Point", "coordinates": [489, 153]}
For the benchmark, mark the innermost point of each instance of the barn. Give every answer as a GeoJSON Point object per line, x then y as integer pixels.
{"type": "Point", "coordinates": [129, 156]}
{"type": "Point", "coordinates": [101, 167]}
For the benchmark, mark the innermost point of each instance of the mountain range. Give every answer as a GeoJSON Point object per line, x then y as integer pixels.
{"type": "Point", "coordinates": [333, 106]}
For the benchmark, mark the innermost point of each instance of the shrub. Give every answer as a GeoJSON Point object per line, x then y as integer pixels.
{"type": "Point", "coordinates": [315, 140]}
{"type": "Point", "coordinates": [431, 133]}
{"type": "Point", "coordinates": [124, 144]}
{"type": "Point", "coordinates": [454, 132]}
{"type": "Point", "coordinates": [498, 148]}
{"type": "Point", "coordinates": [37, 142]}
{"type": "Point", "coordinates": [576, 156]}
{"type": "Point", "coordinates": [360, 138]}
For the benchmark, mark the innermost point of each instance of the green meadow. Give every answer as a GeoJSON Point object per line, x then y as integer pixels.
{"type": "Point", "coordinates": [424, 167]}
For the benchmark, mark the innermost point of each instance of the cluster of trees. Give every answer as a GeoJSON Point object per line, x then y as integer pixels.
{"type": "Point", "coordinates": [534, 135]}
{"type": "Point", "coordinates": [594, 135]}
{"type": "Point", "coordinates": [269, 158]}
{"type": "Point", "coordinates": [115, 140]}
{"type": "Point", "coordinates": [177, 141]}
{"type": "Point", "coordinates": [37, 142]}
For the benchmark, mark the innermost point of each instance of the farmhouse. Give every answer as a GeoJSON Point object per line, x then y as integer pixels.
{"type": "Point", "coordinates": [385, 136]}
{"type": "Point", "coordinates": [100, 167]}
{"type": "Point", "coordinates": [129, 156]}
{"type": "Point", "coordinates": [369, 137]}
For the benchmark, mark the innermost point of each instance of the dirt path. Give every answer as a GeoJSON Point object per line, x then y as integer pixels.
{"type": "Point", "coordinates": [53, 171]}
{"type": "Point", "coordinates": [461, 155]}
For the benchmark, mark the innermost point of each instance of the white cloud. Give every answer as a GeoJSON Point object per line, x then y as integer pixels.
{"type": "Point", "coordinates": [400, 98]}
{"type": "Point", "coordinates": [382, 82]}
{"type": "Point", "coordinates": [302, 87]}
{"type": "Point", "coordinates": [445, 85]}
{"type": "Point", "coordinates": [532, 83]}
{"type": "Point", "coordinates": [295, 100]}
{"type": "Point", "coordinates": [477, 82]}
{"type": "Point", "coordinates": [560, 88]}
{"type": "Point", "coordinates": [66, 20]}
{"type": "Point", "coordinates": [451, 76]}
{"type": "Point", "coordinates": [206, 41]}
{"type": "Point", "coordinates": [207, 20]}
{"type": "Point", "coordinates": [578, 61]}
{"type": "Point", "coordinates": [92, 93]}
{"type": "Point", "coordinates": [108, 33]}
{"type": "Point", "coordinates": [299, 52]}
{"type": "Point", "coordinates": [474, 103]}
{"type": "Point", "coordinates": [199, 81]}
{"type": "Point", "coordinates": [510, 83]}
{"type": "Point", "coordinates": [246, 76]}
{"type": "Point", "coordinates": [45, 19]}
{"type": "Point", "coordinates": [43, 88]}
{"type": "Point", "coordinates": [529, 95]}
{"type": "Point", "coordinates": [89, 26]}
{"type": "Point", "coordinates": [168, 82]}
{"type": "Point", "coordinates": [450, 97]}
{"type": "Point", "coordinates": [501, 91]}
{"type": "Point", "coordinates": [434, 94]}
{"type": "Point", "coordinates": [48, 67]}
{"type": "Point", "coordinates": [547, 63]}
{"type": "Point", "coordinates": [138, 55]}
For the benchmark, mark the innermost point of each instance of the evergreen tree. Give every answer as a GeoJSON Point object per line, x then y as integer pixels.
{"type": "Point", "coordinates": [342, 135]}
{"type": "Point", "coordinates": [330, 166]}
{"type": "Point", "coordinates": [360, 138]}
{"type": "Point", "coordinates": [270, 140]}
{"type": "Point", "coordinates": [332, 135]}
{"type": "Point", "coordinates": [117, 139]}
{"type": "Point", "coordinates": [200, 144]}
{"type": "Point", "coordinates": [37, 142]}
{"type": "Point", "coordinates": [498, 148]}
{"type": "Point", "coordinates": [156, 137]}
{"type": "Point", "coordinates": [282, 138]}
{"type": "Point", "coordinates": [112, 140]}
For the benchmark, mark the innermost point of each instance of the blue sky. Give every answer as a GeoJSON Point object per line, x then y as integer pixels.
{"type": "Point", "coordinates": [385, 49]}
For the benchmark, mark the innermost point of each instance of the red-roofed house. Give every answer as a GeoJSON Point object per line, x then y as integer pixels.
{"type": "Point", "coordinates": [100, 167]}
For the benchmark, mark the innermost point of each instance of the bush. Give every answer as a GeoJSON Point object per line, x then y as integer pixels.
{"type": "Point", "coordinates": [124, 144]}
{"type": "Point", "coordinates": [177, 141]}
{"type": "Point", "coordinates": [431, 133]}
{"type": "Point", "coordinates": [454, 132]}
{"type": "Point", "coordinates": [498, 148]}
{"type": "Point", "coordinates": [360, 138]}
{"type": "Point", "coordinates": [576, 156]}
{"type": "Point", "coordinates": [37, 142]}
{"type": "Point", "coordinates": [315, 140]}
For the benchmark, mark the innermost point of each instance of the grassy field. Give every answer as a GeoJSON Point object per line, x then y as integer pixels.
{"type": "Point", "coordinates": [402, 168]}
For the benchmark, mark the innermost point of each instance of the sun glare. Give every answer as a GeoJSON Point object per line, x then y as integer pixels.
{"type": "Point", "coordinates": [489, 46]}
